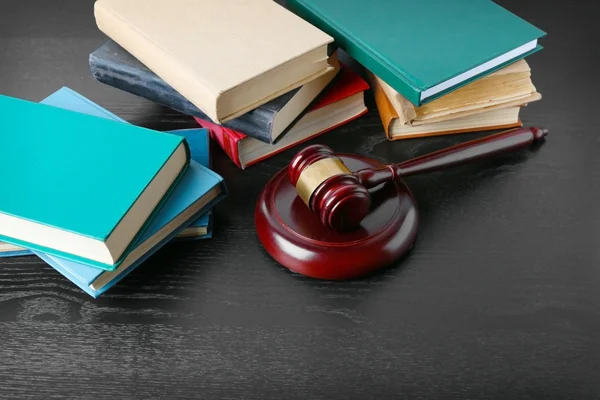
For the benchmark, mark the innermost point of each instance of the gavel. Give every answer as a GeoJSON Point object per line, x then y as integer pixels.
{"type": "Point", "coordinates": [341, 198]}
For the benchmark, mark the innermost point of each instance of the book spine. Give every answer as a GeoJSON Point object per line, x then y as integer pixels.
{"type": "Point", "coordinates": [157, 59]}
{"type": "Point", "coordinates": [257, 123]}
{"type": "Point", "coordinates": [359, 51]}
{"type": "Point", "coordinates": [141, 83]}
{"type": "Point", "coordinates": [227, 140]}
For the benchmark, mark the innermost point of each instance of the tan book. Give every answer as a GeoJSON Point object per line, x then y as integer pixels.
{"type": "Point", "coordinates": [509, 86]}
{"type": "Point", "coordinates": [498, 117]}
{"type": "Point", "coordinates": [227, 57]}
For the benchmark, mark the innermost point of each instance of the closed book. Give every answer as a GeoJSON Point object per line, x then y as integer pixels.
{"type": "Point", "coordinates": [424, 49]}
{"type": "Point", "coordinates": [198, 143]}
{"type": "Point", "coordinates": [226, 57]}
{"type": "Point", "coordinates": [114, 66]}
{"type": "Point", "coordinates": [198, 191]}
{"type": "Point", "coordinates": [339, 104]}
{"type": "Point", "coordinates": [79, 186]}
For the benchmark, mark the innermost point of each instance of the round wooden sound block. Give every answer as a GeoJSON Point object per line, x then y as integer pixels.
{"type": "Point", "coordinates": [296, 238]}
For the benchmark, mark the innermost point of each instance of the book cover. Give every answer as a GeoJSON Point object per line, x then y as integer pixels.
{"type": "Point", "coordinates": [346, 85]}
{"type": "Point", "coordinates": [424, 49]}
{"type": "Point", "coordinates": [198, 142]}
{"type": "Point", "coordinates": [264, 52]}
{"type": "Point", "coordinates": [62, 197]}
{"type": "Point", "coordinates": [186, 203]}
{"type": "Point", "coordinates": [112, 65]}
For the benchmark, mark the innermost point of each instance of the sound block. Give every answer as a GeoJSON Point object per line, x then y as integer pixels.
{"type": "Point", "coordinates": [296, 238]}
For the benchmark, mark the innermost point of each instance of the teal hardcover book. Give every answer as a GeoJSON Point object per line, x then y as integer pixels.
{"type": "Point", "coordinates": [426, 48]}
{"type": "Point", "coordinates": [85, 197]}
{"type": "Point", "coordinates": [198, 143]}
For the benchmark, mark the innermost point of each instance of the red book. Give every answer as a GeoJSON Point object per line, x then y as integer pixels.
{"type": "Point", "coordinates": [341, 103]}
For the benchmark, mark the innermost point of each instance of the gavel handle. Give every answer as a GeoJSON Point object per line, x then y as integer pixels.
{"type": "Point", "coordinates": [462, 153]}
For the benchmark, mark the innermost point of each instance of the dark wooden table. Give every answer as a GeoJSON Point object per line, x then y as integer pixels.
{"type": "Point", "coordinates": [500, 297]}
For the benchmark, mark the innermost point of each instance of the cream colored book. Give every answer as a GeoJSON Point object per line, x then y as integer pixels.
{"type": "Point", "coordinates": [507, 87]}
{"type": "Point", "coordinates": [227, 57]}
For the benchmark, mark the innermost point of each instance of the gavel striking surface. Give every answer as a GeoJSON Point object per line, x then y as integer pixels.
{"type": "Point", "coordinates": [296, 238]}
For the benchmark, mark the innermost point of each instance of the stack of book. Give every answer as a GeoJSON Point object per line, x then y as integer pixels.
{"type": "Point", "coordinates": [272, 78]}
{"type": "Point", "coordinates": [436, 67]}
{"type": "Point", "coordinates": [492, 102]}
{"type": "Point", "coordinates": [267, 82]}
{"type": "Point", "coordinates": [94, 196]}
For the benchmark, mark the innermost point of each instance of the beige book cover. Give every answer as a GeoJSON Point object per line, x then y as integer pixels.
{"type": "Point", "coordinates": [227, 57]}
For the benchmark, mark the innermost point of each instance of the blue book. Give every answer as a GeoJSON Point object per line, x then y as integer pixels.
{"type": "Point", "coordinates": [196, 193]}
{"type": "Point", "coordinates": [198, 142]}
{"type": "Point", "coordinates": [82, 187]}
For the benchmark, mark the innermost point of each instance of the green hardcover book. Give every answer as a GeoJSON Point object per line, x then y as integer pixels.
{"type": "Point", "coordinates": [84, 197]}
{"type": "Point", "coordinates": [424, 48]}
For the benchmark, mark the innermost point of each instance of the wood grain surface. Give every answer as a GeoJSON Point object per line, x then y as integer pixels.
{"type": "Point", "coordinates": [499, 299]}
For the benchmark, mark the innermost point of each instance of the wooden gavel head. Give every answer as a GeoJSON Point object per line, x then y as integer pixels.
{"type": "Point", "coordinates": [329, 188]}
